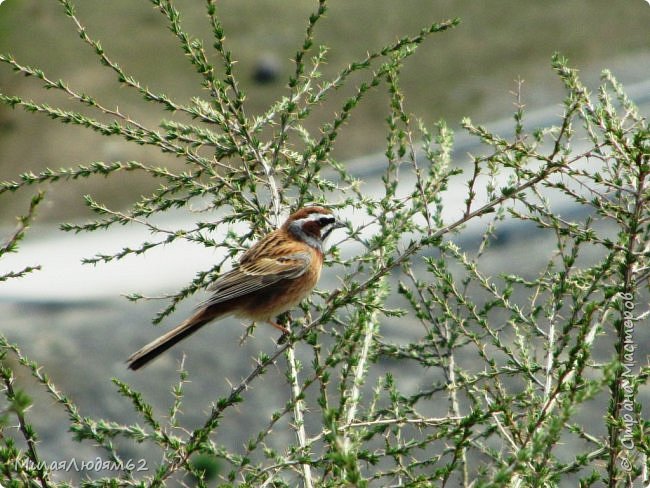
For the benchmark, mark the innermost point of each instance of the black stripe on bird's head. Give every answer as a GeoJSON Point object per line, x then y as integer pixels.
{"type": "Point", "coordinates": [312, 225]}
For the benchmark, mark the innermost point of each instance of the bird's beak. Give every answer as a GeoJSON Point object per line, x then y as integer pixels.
{"type": "Point", "coordinates": [338, 224]}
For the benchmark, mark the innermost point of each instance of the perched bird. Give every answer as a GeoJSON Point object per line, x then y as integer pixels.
{"type": "Point", "coordinates": [273, 276]}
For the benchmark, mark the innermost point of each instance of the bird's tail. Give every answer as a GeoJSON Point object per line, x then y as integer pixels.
{"type": "Point", "coordinates": [164, 342]}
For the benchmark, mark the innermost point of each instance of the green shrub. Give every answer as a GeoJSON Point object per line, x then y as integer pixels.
{"type": "Point", "coordinates": [514, 356]}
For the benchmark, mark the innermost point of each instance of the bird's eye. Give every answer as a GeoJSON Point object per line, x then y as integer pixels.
{"type": "Point", "coordinates": [323, 221]}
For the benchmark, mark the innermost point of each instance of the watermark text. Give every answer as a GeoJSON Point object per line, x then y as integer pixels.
{"type": "Point", "coordinates": [73, 464]}
{"type": "Point", "coordinates": [628, 364]}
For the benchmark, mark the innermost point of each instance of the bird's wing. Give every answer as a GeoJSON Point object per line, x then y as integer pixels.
{"type": "Point", "coordinates": [253, 275]}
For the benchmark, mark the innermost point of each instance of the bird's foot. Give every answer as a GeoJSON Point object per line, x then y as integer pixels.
{"type": "Point", "coordinates": [285, 332]}
{"type": "Point", "coordinates": [279, 327]}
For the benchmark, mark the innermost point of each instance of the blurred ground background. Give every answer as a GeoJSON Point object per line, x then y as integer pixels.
{"type": "Point", "coordinates": [468, 71]}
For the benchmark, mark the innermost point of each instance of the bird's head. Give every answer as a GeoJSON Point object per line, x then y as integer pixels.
{"type": "Point", "coordinates": [312, 225]}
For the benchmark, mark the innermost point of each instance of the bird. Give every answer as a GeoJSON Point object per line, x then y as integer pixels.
{"type": "Point", "coordinates": [272, 277]}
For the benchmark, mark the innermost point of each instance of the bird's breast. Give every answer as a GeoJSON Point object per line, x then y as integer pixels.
{"type": "Point", "coordinates": [284, 295]}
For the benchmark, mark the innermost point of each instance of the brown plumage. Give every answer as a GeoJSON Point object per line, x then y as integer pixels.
{"type": "Point", "coordinates": [273, 276]}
